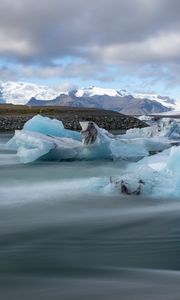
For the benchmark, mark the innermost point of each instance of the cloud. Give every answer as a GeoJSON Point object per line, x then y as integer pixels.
{"type": "Point", "coordinates": [162, 48]}
{"type": "Point", "coordinates": [93, 36]}
{"type": "Point", "coordinates": [84, 71]}
{"type": "Point", "coordinates": [44, 30]}
{"type": "Point", "coordinates": [7, 73]}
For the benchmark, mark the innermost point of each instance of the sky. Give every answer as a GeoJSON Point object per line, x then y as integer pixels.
{"type": "Point", "coordinates": [131, 44]}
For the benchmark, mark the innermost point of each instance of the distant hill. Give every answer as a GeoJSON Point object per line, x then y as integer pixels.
{"type": "Point", "coordinates": [127, 105]}
{"type": "Point", "coordinates": [103, 98]}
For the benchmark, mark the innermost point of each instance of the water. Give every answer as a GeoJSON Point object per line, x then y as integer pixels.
{"type": "Point", "coordinates": [58, 241]}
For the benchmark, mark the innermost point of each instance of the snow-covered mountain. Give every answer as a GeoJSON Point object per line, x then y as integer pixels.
{"type": "Point", "coordinates": [166, 101]}
{"type": "Point", "coordinates": [21, 92]}
{"type": "Point", "coordinates": [118, 100]}
{"type": "Point", "coordinates": [96, 91]}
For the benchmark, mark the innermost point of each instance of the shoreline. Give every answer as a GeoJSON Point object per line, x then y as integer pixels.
{"type": "Point", "coordinates": [14, 117]}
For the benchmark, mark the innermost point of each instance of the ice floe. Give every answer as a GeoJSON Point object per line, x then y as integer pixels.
{"type": "Point", "coordinates": [166, 127]}
{"type": "Point", "coordinates": [51, 127]}
{"type": "Point", "coordinates": [47, 138]}
{"type": "Point", "coordinates": [147, 174]}
{"type": "Point", "coordinates": [157, 175]}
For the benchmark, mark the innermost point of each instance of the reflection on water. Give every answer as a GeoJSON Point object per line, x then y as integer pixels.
{"type": "Point", "coordinates": [59, 242]}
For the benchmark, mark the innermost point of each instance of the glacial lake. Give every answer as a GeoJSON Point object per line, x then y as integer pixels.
{"type": "Point", "coordinates": [58, 241]}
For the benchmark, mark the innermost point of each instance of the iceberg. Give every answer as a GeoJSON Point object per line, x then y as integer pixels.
{"type": "Point", "coordinates": [149, 175]}
{"type": "Point", "coordinates": [148, 120]}
{"type": "Point", "coordinates": [45, 138]}
{"type": "Point", "coordinates": [92, 134]}
{"type": "Point", "coordinates": [119, 146]}
{"type": "Point", "coordinates": [166, 127]}
{"type": "Point", "coordinates": [157, 176]}
{"type": "Point", "coordinates": [33, 145]}
{"type": "Point", "coordinates": [49, 126]}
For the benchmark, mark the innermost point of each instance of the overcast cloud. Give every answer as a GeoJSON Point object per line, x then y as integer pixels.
{"type": "Point", "coordinates": [88, 37]}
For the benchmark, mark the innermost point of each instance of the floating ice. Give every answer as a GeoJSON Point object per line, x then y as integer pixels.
{"type": "Point", "coordinates": [148, 120]}
{"type": "Point", "coordinates": [33, 145]}
{"type": "Point", "coordinates": [92, 134]}
{"type": "Point", "coordinates": [44, 138]}
{"type": "Point", "coordinates": [120, 146]}
{"type": "Point", "coordinates": [40, 135]}
{"type": "Point", "coordinates": [167, 127]}
{"type": "Point", "coordinates": [49, 126]}
{"type": "Point", "coordinates": [157, 175]}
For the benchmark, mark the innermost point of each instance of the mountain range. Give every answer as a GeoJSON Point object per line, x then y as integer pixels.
{"type": "Point", "coordinates": [111, 99]}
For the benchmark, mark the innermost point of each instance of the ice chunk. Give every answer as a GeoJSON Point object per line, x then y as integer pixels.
{"type": "Point", "coordinates": [157, 175]}
{"type": "Point", "coordinates": [44, 135]}
{"type": "Point", "coordinates": [32, 145]}
{"type": "Point", "coordinates": [138, 180]}
{"type": "Point", "coordinates": [49, 126]}
{"type": "Point", "coordinates": [136, 148]}
{"type": "Point", "coordinates": [92, 134]}
{"type": "Point", "coordinates": [149, 120]}
{"type": "Point", "coordinates": [167, 127]}
{"type": "Point", "coordinates": [118, 146]}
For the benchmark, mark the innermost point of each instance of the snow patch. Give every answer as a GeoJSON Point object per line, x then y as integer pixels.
{"type": "Point", "coordinates": [95, 91]}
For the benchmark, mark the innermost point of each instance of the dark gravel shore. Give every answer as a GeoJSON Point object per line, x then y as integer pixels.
{"type": "Point", "coordinates": [14, 117]}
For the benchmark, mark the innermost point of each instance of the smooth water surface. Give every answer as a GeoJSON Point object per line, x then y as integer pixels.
{"type": "Point", "coordinates": [60, 239]}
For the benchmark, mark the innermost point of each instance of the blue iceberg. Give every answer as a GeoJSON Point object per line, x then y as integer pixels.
{"type": "Point", "coordinates": [166, 127]}
{"type": "Point", "coordinates": [31, 146]}
{"type": "Point", "coordinates": [51, 127]}
{"type": "Point", "coordinates": [155, 176]}
{"type": "Point", "coordinates": [46, 138]}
